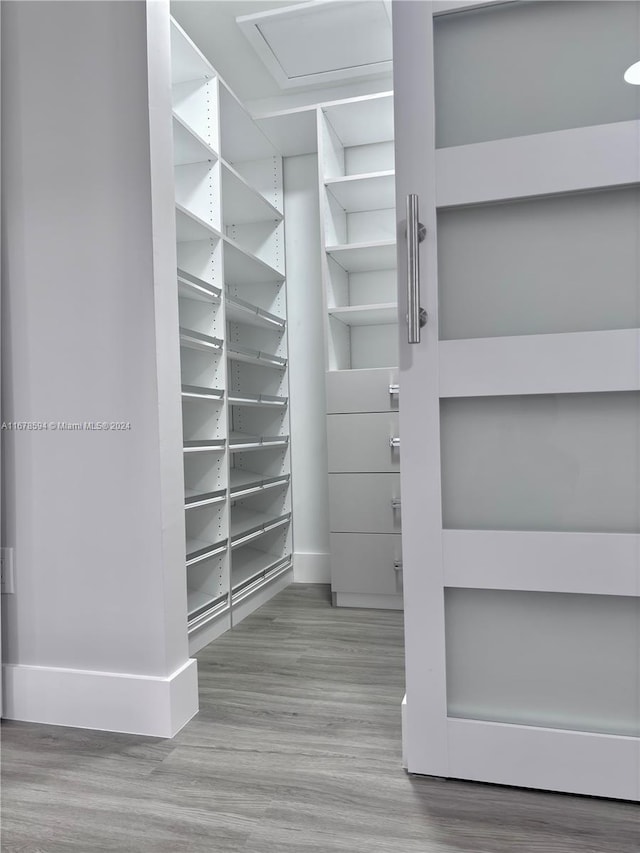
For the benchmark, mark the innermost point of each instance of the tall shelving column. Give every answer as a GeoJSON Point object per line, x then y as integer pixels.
{"type": "Point", "coordinates": [231, 278]}
{"type": "Point", "coordinates": [357, 199]}
{"type": "Point", "coordinates": [258, 392]}
{"type": "Point", "coordinates": [198, 185]}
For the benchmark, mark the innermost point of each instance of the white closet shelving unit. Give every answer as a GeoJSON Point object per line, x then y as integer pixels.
{"type": "Point", "coordinates": [233, 338]}
{"type": "Point", "coordinates": [354, 140]}
{"type": "Point", "coordinates": [357, 200]}
{"type": "Point", "coordinates": [356, 157]}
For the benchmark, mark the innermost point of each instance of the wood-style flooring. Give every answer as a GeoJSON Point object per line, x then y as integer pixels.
{"type": "Point", "coordinates": [296, 749]}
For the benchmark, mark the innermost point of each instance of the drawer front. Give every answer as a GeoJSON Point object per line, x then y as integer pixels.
{"type": "Point", "coordinates": [364, 562]}
{"type": "Point", "coordinates": [362, 390]}
{"type": "Point", "coordinates": [360, 443]}
{"type": "Point", "coordinates": [364, 503]}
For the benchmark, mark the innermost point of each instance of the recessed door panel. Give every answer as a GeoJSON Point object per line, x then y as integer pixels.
{"type": "Point", "coordinates": [538, 266]}
{"type": "Point", "coordinates": [562, 661]}
{"type": "Point", "coordinates": [549, 462]}
{"type": "Point", "coordinates": [523, 68]}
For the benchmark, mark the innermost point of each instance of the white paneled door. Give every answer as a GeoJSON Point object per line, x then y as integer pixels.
{"type": "Point", "coordinates": [520, 404]}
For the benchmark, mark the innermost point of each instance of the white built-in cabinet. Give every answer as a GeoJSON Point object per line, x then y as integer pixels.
{"type": "Point", "coordinates": [233, 349]}
{"type": "Point", "coordinates": [358, 223]}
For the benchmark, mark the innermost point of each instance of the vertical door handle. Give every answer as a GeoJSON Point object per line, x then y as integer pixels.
{"type": "Point", "coordinates": [416, 232]}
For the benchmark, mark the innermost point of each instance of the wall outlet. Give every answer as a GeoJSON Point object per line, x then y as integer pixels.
{"type": "Point", "coordinates": [6, 571]}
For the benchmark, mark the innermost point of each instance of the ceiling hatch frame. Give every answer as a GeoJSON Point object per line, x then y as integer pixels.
{"type": "Point", "coordinates": [258, 27]}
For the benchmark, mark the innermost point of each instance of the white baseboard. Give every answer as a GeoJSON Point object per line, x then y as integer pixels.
{"type": "Point", "coordinates": [311, 568]}
{"type": "Point", "coordinates": [370, 600]}
{"type": "Point", "coordinates": [403, 715]}
{"type": "Point", "coordinates": [108, 701]}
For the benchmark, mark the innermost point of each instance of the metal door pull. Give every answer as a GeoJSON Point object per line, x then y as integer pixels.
{"type": "Point", "coordinates": [396, 503]}
{"type": "Point", "coordinates": [394, 442]}
{"type": "Point", "coordinates": [416, 232]}
{"type": "Point", "coordinates": [394, 389]}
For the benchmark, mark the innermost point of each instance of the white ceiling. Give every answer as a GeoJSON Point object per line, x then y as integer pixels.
{"type": "Point", "coordinates": [322, 43]}
{"type": "Point", "coordinates": [212, 26]}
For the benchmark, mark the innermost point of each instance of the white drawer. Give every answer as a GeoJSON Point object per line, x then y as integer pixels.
{"type": "Point", "coordinates": [366, 563]}
{"type": "Point", "coordinates": [364, 503]}
{"type": "Point", "coordinates": [361, 443]}
{"type": "Point", "coordinates": [362, 390]}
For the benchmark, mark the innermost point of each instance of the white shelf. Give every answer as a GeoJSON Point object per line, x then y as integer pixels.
{"type": "Point", "coordinates": [187, 62]}
{"type": "Point", "coordinates": [293, 132]}
{"type": "Point", "coordinates": [239, 441]}
{"type": "Point", "coordinates": [241, 203]}
{"type": "Point", "coordinates": [242, 267]}
{"type": "Point", "coordinates": [192, 287]}
{"type": "Point", "coordinates": [189, 146]}
{"type": "Point", "coordinates": [356, 193]}
{"type": "Point", "coordinates": [199, 550]}
{"type": "Point", "coordinates": [243, 483]}
{"type": "Point", "coordinates": [367, 315]}
{"type": "Point", "coordinates": [247, 524]}
{"type": "Point", "coordinates": [362, 257]}
{"type": "Point", "coordinates": [249, 356]}
{"type": "Point", "coordinates": [204, 446]}
{"type": "Point", "coordinates": [198, 340]}
{"type": "Point", "coordinates": [258, 400]}
{"type": "Point", "coordinates": [248, 564]}
{"type": "Point", "coordinates": [190, 227]}
{"type": "Point", "coordinates": [242, 139]}
{"type": "Point", "coordinates": [362, 120]}
{"type": "Point", "coordinates": [239, 311]}
{"type": "Point", "coordinates": [194, 498]}
{"type": "Point", "coordinates": [198, 392]}
{"type": "Point", "coordinates": [198, 602]}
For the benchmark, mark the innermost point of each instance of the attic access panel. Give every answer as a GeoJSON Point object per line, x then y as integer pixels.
{"type": "Point", "coordinates": [322, 42]}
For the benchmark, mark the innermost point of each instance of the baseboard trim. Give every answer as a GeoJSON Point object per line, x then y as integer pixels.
{"type": "Point", "coordinates": [108, 701]}
{"type": "Point", "coordinates": [311, 568]}
{"type": "Point", "coordinates": [403, 716]}
{"type": "Point", "coordinates": [375, 602]}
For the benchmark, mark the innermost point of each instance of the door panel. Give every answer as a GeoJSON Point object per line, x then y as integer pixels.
{"type": "Point", "coordinates": [525, 68]}
{"type": "Point", "coordinates": [541, 463]}
{"type": "Point", "coordinates": [539, 266]}
{"type": "Point", "coordinates": [543, 659]}
{"type": "Point", "coordinates": [520, 405]}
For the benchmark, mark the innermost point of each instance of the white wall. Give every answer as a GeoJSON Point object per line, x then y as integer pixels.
{"type": "Point", "coordinates": [309, 461]}
{"type": "Point", "coordinates": [95, 517]}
